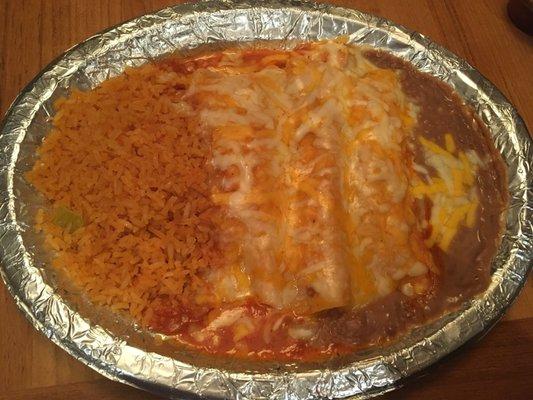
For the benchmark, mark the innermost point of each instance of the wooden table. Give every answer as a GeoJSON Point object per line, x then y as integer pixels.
{"type": "Point", "coordinates": [33, 32]}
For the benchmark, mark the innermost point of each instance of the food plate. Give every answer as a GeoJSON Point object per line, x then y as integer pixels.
{"type": "Point", "coordinates": [124, 353]}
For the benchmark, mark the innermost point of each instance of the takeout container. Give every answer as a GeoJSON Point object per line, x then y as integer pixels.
{"type": "Point", "coordinates": [119, 350]}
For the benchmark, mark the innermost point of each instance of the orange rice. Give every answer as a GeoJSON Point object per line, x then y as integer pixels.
{"type": "Point", "coordinates": [137, 175]}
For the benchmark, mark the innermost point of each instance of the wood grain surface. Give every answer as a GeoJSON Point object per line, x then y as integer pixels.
{"type": "Point", "coordinates": [33, 33]}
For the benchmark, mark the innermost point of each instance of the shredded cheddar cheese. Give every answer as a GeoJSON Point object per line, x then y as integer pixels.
{"type": "Point", "coordinates": [452, 191]}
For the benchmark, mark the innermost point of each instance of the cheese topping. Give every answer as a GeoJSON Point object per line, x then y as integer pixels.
{"type": "Point", "coordinates": [313, 169]}
{"type": "Point", "coordinates": [452, 190]}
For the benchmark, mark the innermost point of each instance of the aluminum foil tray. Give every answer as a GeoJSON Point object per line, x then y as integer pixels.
{"type": "Point", "coordinates": [123, 355]}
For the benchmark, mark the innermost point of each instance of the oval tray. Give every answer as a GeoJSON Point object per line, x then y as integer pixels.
{"type": "Point", "coordinates": [116, 354]}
